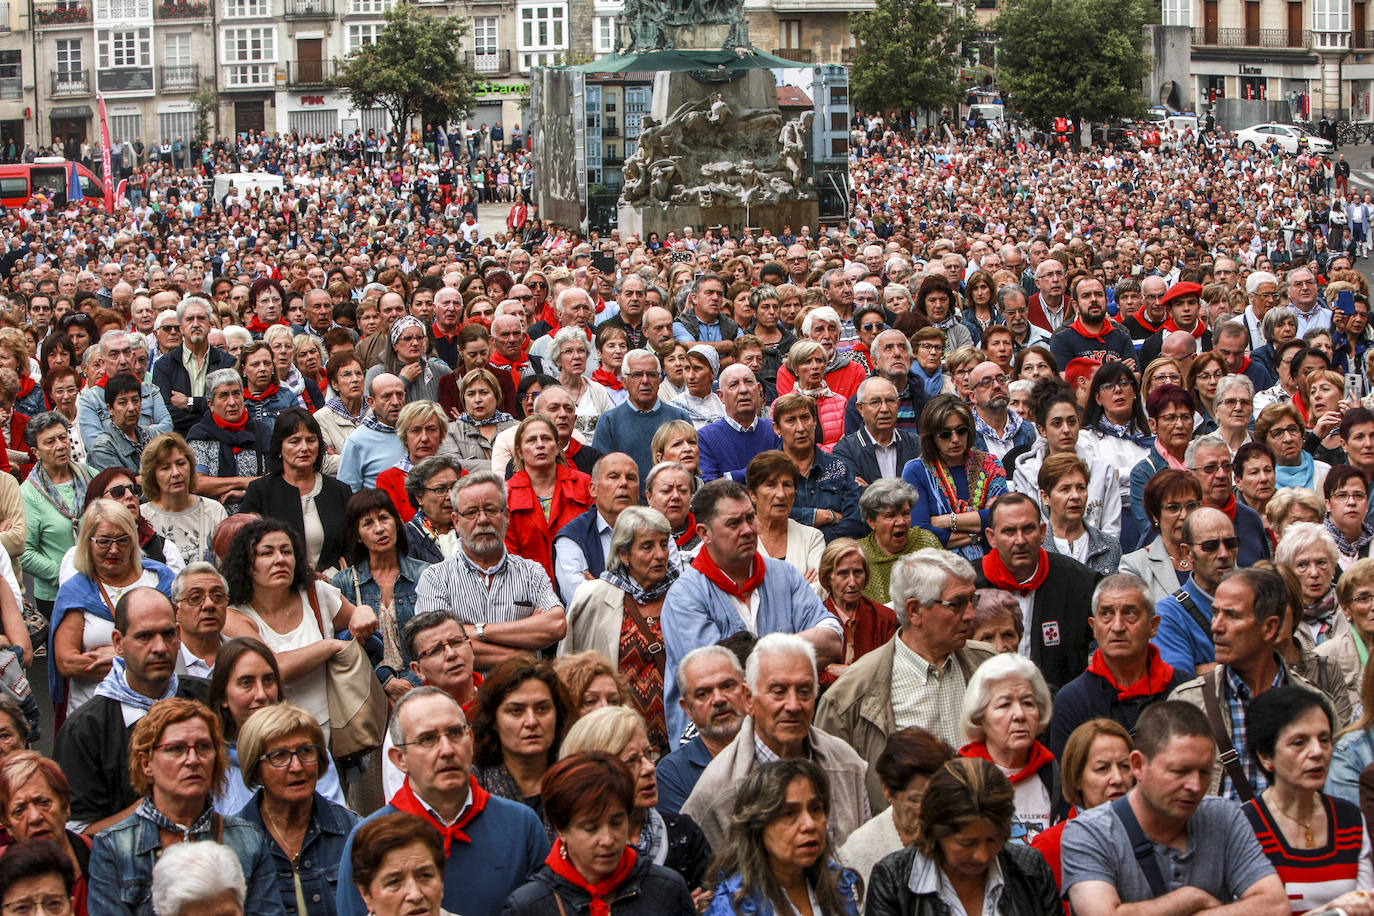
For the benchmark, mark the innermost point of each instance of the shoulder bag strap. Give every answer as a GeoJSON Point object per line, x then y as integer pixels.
{"type": "Point", "coordinates": [1141, 846]}
{"type": "Point", "coordinates": [1230, 758]}
{"type": "Point", "coordinates": [357, 592]}
{"type": "Point", "coordinates": [314, 600]}
{"type": "Point", "coordinates": [654, 643]}
{"type": "Point", "coordinates": [1195, 612]}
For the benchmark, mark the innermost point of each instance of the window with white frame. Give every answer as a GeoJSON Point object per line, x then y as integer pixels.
{"type": "Point", "coordinates": [243, 9]}
{"type": "Point", "coordinates": [484, 35]}
{"type": "Point", "coordinates": [362, 33]}
{"type": "Point", "coordinates": [70, 63]}
{"type": "Point", "coordinates": [176, 49]}
{"type": "Point", "coordinates": [126, 126]}
{"type": "Point", "coordinates": [1331, 15]}
{"type": "Point", "coordinates": [250, 53]}
{"type": "Point", "coordinates": [123, 9]}
{"type": "Point", "coordinates": [176, 125]}
{"type": "Point", "coordinates": [605, 34]}
{"type": "Point", "coordinates": [116, 48]}
{"type": "Point", "coordinates": [543, 34]}
{"type": "Point", "coordinates": [370, 6]}
{"type": "Point", "coordinates": [1177, 12]}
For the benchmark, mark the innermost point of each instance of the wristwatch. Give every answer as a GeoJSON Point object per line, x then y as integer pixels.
{"type": "Point", "coordinates": [481, 630]}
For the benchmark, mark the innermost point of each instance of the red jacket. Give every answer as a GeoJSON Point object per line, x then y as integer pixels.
{"type": "Point", "coordinates": [530, 534]}
{"type": "Point", "coordinates": [392, 482]}
{"type": "Point", "coordinates": [844, 381]}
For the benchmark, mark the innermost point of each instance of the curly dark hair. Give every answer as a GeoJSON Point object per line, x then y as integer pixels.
{"type": "Point", "coordinates": [238, 564]}
{"type": "Point", "coordinates": [501, 682]}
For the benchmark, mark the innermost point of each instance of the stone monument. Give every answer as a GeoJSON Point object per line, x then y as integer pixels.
{"type": "Point", "coordinates": [715, 148]}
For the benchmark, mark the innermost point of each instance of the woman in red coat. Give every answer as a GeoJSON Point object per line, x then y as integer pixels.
{"type": "Point", "coordinates": [544, 494]}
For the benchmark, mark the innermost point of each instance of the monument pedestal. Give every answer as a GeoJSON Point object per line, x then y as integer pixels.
{"type": "Point", "coordinates": [665, 218]}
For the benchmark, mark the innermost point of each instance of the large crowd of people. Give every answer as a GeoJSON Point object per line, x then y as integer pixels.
{"type": "Point", "coordinates": [1005, 550]}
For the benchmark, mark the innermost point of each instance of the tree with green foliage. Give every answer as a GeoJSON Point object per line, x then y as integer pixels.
{"type": "Point", "coordinates": [908, 54]}
{"type": "Point", "coordinates": [414, 68]}
{"type": "Point", "coordinates": [206, 103]}
{"type": "Point", "coordinates": [1078, 59]}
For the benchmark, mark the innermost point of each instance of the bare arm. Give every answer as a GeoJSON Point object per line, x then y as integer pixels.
{"type": "Point", "coordinates": [12, 621]}
{"type": "Point", "coordinates": [358, 619]}
{"type": "Point", "coordinates": [502, 640]}
{"type": "Point", "coordinates": [827, 642]}
{"type": "Point", "coordinates": [294, 663]}
{"type": "Point", "coordinates": [69, 657]}
{"type": "Point", "coordinates": [216, 487]}
{"type": "Point", "coordinates": [1099, 898]}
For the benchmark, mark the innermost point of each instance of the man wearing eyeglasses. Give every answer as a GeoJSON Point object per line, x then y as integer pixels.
{"type": "Point", "coordinates": [1002, 429]}
{"type": "Point", "coordinates": [629, 427]}
{"type": "Point", "coordinates": [491, 844]}
{"type": "Point", "coordinates": [1208, 458]}
{"type": "Point", "coordinates": [93, 745]}
{"type": "Point", "coordinates": [1151, 315]}
{"type": "Point", "coordinates": [201, 597]}
{"type": "Point", "coordinates": [1049, 308]}
{"type": "Point", "coordinates": [1184, 636]}
{"type": "Point", "coordinates": [1304, 298]}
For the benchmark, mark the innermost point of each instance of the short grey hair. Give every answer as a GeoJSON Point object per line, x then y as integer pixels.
{"type": "Point", "coordinates": [1252, 282]}
{"type": "Point", "coordinates": [564, 337]}
{"type": "Point", "coordinates": [190, 301]}
{"type": "Point", "coordinates": [867, 384]}
{"type": "Point", "coordinates": [885, 495]}
{"type": "Point", "coordinates": [1008, 291]}
{"type": "Point", "coordinates": [220, 378]}
{"type": "Point", "coordinates": [1234, 380]}
{"type": "Point", "coordinates": [642, 353]}
{"type": "Point", "coordinates": [477, 479]}
{"type": "Point", "coordinates": [1231, 328]}
{"type": "Point", "coordinates": [237, 332]}
{"type": "Point", "coordinates": [633, 522]}
{"type": "Point", "coordinates": [1301, 536]}
{"type": "Point", "coordinates": [820, 313]}
{"type": "Point", "coordinates": [112, 335]}
{"type": "Point", "coordinates": [197, 568]}
{"type": "Point", "coordinates": [1274, 317]}
{"type": "Point", "coordinates": [418, 477]}
{"type": "Point", "coordinates": [394, 730]}
{"type": "Point", "coordinates": [1120, 582]}
{"type": "Point", "coordinates": [188, 874]}
{"type": "Point", "coordinates": [1211, 440]}
{"type": "Point", "coordinates": [978, 693]}
{"type": "Point", "coordinates": [1021, 386]}
{"type": "Point", "coordinates": [922, 575]}
{"type": "Point", "coordinates": [663, 466]}
{"type": "Point", "coordinates": [704, 652]}
{"type": "Point", "coordinates": [775, 644]}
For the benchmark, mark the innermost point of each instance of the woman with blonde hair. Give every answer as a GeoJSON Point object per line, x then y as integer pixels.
{"type": "Point", "coordinates": [422, 428]}
{"type": "Point", "coordinates": [475, 429]}
{"type": "Point", "coordinates": [167, 470]}
{"type": "Point", "coordinates": [677, 441]}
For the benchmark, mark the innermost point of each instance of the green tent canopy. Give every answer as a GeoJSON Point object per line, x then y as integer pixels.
{"type": "Point", "coordinates": [723, 60]}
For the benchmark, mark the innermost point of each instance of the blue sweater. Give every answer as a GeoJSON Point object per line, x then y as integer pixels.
{"type": "Point", "coordinates": [508, 844]}
{"type": "Point", "coordinates": [1180, 640]}
{"type": "Point", "coordinates": [726, 452]}
{"type": "Point", "coordinates": [696, 613]}
{"type": "Point", "coordinates": [678, 774]}
{"type": "Point", "coordinates": [625, 428]}
{"type": "Point", "coordinates": [366, 454]}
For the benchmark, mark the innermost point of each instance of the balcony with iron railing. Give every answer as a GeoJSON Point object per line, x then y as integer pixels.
{"type": "Point", "coordinates": [183, 78]}
{"type": "Point", "coordinates": [181, 10]}
{"type": "Point", "coordinates": [1252, 38]}
{"type": "Point", "coordinates": [58, 13]}
{"type": "Point", "coordinates": [1363, 40]}
{"type": "Point", "coordinates": [309, 9]}
{"type": "Point", "coordinates": [309, 72]}
{"type": "Point", "coordinates": [259, 75]}
{"type": "Point", "coordinates": [800, 55]}
{"type": "Point", "coordinates": [71, 83]}
{"type": "Point", "coordinates": [488, 63]}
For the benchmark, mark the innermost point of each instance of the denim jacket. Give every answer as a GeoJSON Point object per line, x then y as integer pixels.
{"type": "Point", "coordinates": [756, 904]}
{"type": "Point", "coordinates": [369, 593]}
{"type": "Point", "coordinates": [122, 859]}
{"type": "Point", "coordinates": [321, 852]}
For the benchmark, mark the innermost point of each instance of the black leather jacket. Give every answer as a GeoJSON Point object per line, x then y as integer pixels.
{"type": "Point", "coordinates": [1030, 889]}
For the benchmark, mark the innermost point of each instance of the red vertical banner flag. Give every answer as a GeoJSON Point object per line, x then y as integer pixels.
{"type": "Point", "coordinates": [105, 157]}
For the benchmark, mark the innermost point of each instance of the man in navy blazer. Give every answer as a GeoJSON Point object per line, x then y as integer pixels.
{"type": "Point", "coordinates": [878, 448]}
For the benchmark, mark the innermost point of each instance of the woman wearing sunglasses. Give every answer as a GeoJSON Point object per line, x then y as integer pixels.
{"type": "Point", "coordinates": [956, 482]}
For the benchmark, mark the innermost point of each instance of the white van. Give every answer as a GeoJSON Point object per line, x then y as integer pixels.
{"type": "Point", "coordinates": [988, 113]}
{"type": "Point", "coordinates": [246, 182]}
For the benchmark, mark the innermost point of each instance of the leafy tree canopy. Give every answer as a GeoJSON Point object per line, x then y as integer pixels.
{"type": "Point", "coordinates": [908, 54]}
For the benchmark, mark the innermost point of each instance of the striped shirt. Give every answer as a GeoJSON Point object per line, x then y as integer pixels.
{"type": "Point", "coordinates": [1315, 876]}
{"type": "Point", "coordinates": [513, 589]}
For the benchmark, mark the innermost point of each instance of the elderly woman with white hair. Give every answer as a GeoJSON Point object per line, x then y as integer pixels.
{"type": "Point", "coordinates": [840, 375]}
{"type": "Point", "coordinates": [1006, 705]}
{"type": "Point", "coordinates": [198, 879]}
{"type": "Point", "coordinates": [569, 351]}
{"type": "Point", "coordinates": [618, 614]}
{"type": "Point", "coordinates": [231, 448]}
{"type": "Point", "coordinates": [1233, 408]}
{"type": "Point", "coordinates": [1349, 650]}
{"type": "Point", "coordinates": [1309, 551]}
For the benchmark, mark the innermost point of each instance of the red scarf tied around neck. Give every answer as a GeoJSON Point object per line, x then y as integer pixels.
{"type": "Point", "coordinates": [999, 576]}
{"type": "Point", "coordinates": [607, 378]}
{"type": "Point", "coordinates": [404, 800]}
{"type": "Point", "coordinates": [1082, 329]}
{"type": "Point", "coordinates": [26, 385]}
{"type": "Point", "coordinates": [600, 906]}
{"type": "Point", "coordinates": [708, 568]}
{"type": "Point", "coordinates": [1158, 675]}
{"type": "Point", "coordinates": [1230, 507]}
{"type": "Point", "coordinates": [238, 427]}
{"type": "Point", "coordinates": [1040, 756]}
{"type": "Point", "coordinates": [267, 393]}
{"type": "Point", "coordinates": [1198, 327]}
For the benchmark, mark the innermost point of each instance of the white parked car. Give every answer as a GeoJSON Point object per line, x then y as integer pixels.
{"type": "Point", "coordinates": [1262, 135]}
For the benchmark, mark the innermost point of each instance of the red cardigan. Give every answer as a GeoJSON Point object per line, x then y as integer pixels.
{"type": "Point", "coordinates": [392, 482]}
{"type": "Point", "coordinates": [530, 534]}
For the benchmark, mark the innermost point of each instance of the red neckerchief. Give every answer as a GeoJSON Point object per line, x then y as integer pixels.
{"type": "Point", "coordinates": [689, 533]}
{"type": "Point", "coordinates": [222, 423]}
{"type": "Point", "coordinates": [708, 568]}
{"type": "Point", "coordinates": [440, 335]}
{"type": "Point", "coordinates": [258, 326]}
{"type": "Point", "coordinates": [548, 317]}
{"type": "Point", "coordinates": [1300, 406]}
{"type": "Point", "coordinates": [1230, 507]}
{"type": "Point", "coordinates": [999, 576]}
{"type": "Point", "coordinates": [573, 448]}
{"type": "Point", "coordinates": [607, 378]}
{"type": "Point", "coordinates": [26, 385]}
{"type": "Point", "coordinates": [1082, 329]}
{"type": "Point", "coordinates": [103, 380]}
{"type": "Point", "coordinates": [1145, 322]}
{"type": "Point", "coordinates": [560, 866]}
{"type": "Point", "coordinates": [404, 800]}
{"type": "Point", "coordinates": [600, 305]}
{"type": "Point", "coordinates": [1158, 675]}
{"type": "Point", "coordinates": [1040, 756]}
{"type": "Point", "coordinates": [268, 392]}
{"type": "Point", "coordinates": [1197, 331]}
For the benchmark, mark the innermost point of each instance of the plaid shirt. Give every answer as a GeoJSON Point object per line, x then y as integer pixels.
{"type": "Point", "coordinates": [1238, 697]}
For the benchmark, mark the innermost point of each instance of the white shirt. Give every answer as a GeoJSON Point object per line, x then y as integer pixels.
{"type": "Point", "coordinates": [1077, 549]}
{"type": "Point", "coordinates": [570, 560]}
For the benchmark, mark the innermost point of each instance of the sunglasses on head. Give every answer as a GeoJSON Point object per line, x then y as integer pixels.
{"type": "Point", "coordinates": [947, 434]}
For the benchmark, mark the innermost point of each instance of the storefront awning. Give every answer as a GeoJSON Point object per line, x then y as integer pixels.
{"type": "Point", "coordinates": [70, 111]}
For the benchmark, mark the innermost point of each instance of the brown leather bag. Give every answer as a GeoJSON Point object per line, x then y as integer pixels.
{"type": "Point", "coordinates": [358, 705]}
